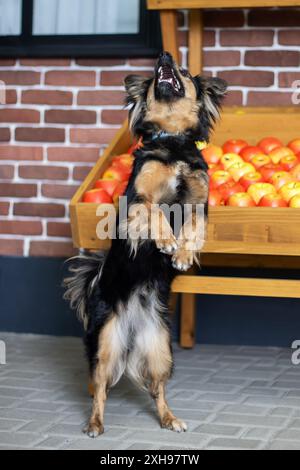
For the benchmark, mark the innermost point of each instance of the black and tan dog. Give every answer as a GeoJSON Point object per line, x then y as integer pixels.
{"type": "Point", "coordinates": [122, 297]}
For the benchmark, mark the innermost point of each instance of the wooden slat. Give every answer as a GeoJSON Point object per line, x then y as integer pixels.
{"type": "Point", "coordinates": [187, 319]}
{"type": "Point", "coordinates": [179, 4]}
{"type": "Point", "coordinates": [231, 230]}
{"type": "Point", "coordinates": [237, 286]}
{"type": "Point", "coordinates": [195, 42]}
{"type": "Point", "coordinates": [253, 215]}
{"type": "Point", "coordinates": [250, 261]}
{"type": "Point", "coordinates": [246, 248]}
{"type": "Point", "coordinates": [168, 21]}
{"type": "Point", "coordinates": [252, 124]}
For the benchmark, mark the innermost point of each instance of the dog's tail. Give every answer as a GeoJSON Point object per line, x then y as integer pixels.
{"type": "Point", "coordinates": [85, 271]}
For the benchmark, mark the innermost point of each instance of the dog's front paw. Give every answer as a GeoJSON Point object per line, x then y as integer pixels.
{"type": "Point", "coordinates": [94, 428]}
{"type": "Point", "coordinates": [167, 245]}
{"type": "Point", "coordinates": [174, 424]}
{"type": "Point", "coordinates": [182, 259]}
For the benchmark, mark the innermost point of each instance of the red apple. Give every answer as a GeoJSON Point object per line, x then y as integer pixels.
{"type": "Point", "coordinates": [294, 145]}
{"type": "Point", "coordinates": [296, 172]}
{"type": "Point", "coordinates": [259, 190]}
{"type": "Point", "coordinates": [229, 159]}
{"type": "Point", "coordinates": [280, 178]}
{"type": "Point", "coordinates": [98, 196]}
{"type": "Point", "coordinates": [119, 191]}
{"type": "Point", "coordinates": [240, 200]}
{"type": "Point", "coordinates": [260, 160]}
{"type": "Point", "coordinates": [116, 173]}
{"type": "Point", "coordinates": [213, 168]}
{"type": "Point", "coordinates": [272, 200]}
{"type": "Point", "coordinates": [269, 143]}
{"type": "Point", "coordinates": [219, 177]}
{"type": "Point", "coordinates": [295, 202]}
{"type": "Point", "coordinates": [278, 153]}
{"type": "Point", "coordinates": [289, 190]}
{"type": "Point", "coordinates": [124, 159]}
{"type": "Point", "coordinates": [212, 154]}
{"type": "Point", "coordinates": [268, 170]}
{"type": "Point", "coordinates": [251, 178]}
{"type": "Point", "coordinates": [289, 162]}
{"type": "Point", "coordinates": [249, 152]}
{"type": "Point", "coordinates": [215, 198]}
{"type": "Point", "coordinates": [125, 169]}
{"type": "Point", "coordinates": [228, 189]}
{"type": "Point", "coordinates": [108, 185]}
{"type": "Point", "coordinates": [234, 146]}
{"type": "Point", "coordinates": [240, 169]}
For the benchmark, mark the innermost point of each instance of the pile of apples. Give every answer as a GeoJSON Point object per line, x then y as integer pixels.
{"type": "Point", "coordinates": [114, 181]}
{"type": "Point", "coordinates": [265, 175]}
{"type": "Point", "coordinates": [241, 175]}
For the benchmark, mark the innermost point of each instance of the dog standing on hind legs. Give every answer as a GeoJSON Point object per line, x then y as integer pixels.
{"type": "Point", "coordinates": [122, 297]}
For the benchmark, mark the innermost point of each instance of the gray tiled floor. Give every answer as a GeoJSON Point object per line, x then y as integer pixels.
{"type": "Point", "coordinates": [231, 397]}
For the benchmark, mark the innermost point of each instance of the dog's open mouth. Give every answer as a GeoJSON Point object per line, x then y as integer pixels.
{"type": "Point", "coordinates": [168, 85]}
{"type": "Point", "coordinates": [166, 74]}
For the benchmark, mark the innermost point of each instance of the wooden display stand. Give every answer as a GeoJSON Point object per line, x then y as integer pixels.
{"type": "Point", "coordinates": [247, 237]}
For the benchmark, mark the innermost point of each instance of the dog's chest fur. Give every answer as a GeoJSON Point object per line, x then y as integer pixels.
{"type": "Point", "coordinates": [167, 175]}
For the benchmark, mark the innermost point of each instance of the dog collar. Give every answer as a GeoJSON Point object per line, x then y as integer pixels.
{"type": "Point", "coordinates": [200, 144]}
{"type": "Point", "coordinates": [162, 135]}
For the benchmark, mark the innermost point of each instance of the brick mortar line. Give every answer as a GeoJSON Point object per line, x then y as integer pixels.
{"type": "Point", "coordinates": [271, 48]}
{"type": "Point", "coordinates": [50, 145]}
{"type": "Point", "coordinates": [59, 125]}
{"type": "Point", "coordinates": [78, 68]}
{"type": "Point", "coordinates": [252, 68]}
{"type": "Point", "coordinates": [48, 238]}
{"type": "Point", "coordinates": [23, 218]}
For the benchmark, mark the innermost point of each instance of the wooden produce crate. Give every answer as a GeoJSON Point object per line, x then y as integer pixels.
{"type": "Point", "coordinates": [254, 231]}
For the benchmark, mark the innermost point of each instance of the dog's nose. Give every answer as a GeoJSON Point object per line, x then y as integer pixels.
{"type": "Point", "coordinates": [165, 57]}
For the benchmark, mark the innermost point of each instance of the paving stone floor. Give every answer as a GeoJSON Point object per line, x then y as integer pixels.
{"type": "Point", "coordinates": [230, 397]}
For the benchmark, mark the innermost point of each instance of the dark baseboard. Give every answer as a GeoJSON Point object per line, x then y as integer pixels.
{"type": "Point", "coordinates": [31, 302]}
{"type": "Point", "coordinates": [31, 297]}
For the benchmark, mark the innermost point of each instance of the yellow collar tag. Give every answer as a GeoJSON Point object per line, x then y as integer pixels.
{"type": "Point", "coordinates": [201, 144]}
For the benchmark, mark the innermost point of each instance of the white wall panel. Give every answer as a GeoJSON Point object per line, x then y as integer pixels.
{"type": "Point", "coordinates": [10, 17]}
{"type": "Point", "coordinates": [85, 16]}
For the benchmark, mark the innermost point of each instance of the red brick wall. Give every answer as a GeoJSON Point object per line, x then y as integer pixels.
{"type": "Point", "coordinates": [60, 114]}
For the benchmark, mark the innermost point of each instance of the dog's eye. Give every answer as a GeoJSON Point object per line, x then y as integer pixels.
{"type": "Point", "coordinates": [184, 72]}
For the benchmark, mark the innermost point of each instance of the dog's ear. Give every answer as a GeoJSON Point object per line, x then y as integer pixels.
{"type": "Point", "coordinates": [210, 92]}
{"type": "Point", "coordinates": [135, 86]}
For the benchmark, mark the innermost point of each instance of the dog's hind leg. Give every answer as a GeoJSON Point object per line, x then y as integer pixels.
{"type": "Point", "coordinates": [167, 418]}
{"type": "Point", "coordinates": [149, 362]}
{"type": "Point", "coordinates": [109, 368]}
{"type": "Point", "coordinates": [159, 362]}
